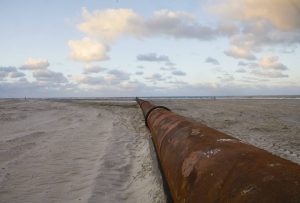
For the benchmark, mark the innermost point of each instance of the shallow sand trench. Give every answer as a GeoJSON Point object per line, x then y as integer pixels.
{"type": "Point", "coordinates": [75, 151]}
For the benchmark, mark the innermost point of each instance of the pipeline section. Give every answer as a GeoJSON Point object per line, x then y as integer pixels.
{"type": "Point", "coordinates": [201, 164]}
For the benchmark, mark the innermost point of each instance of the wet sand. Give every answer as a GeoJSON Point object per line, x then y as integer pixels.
{"type": "Point", "coordinates": [99, 151]}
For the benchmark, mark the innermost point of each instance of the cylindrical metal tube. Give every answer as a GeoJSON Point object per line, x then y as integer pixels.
{"type": "Point", "coordinates": [201, 164]}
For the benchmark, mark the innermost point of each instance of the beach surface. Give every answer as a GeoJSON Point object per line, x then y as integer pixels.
{"type": "Point", "coordinates": [76, 151]}
{"type": "Point", "coordinates": [100, 151]}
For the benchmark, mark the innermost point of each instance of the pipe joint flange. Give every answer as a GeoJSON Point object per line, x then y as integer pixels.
{"type": "Point", "coordinates": [148, 113]}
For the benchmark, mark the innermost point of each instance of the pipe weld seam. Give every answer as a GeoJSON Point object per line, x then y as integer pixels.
{"type": "Point", "coordinates": [148, 113]}
{"type": "Point", "coordinates": [141, 103]}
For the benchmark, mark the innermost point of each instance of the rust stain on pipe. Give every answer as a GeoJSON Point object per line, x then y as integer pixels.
{"type": "Point", "coordinates": [201, 164]}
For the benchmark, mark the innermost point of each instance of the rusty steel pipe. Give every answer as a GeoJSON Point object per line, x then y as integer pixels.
{"type": "Point", "coordinates": [201, 164]}
{"type": "Point", "coordinates": [148, 107]}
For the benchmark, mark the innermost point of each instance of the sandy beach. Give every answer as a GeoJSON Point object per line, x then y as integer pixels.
{"type": "Point", "coordinates": [80, 151]}
{"type": "Point", "coordinates": [100, 151]}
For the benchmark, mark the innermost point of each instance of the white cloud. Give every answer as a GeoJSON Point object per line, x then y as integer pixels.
{"type": "Point", "coordinates": [155, 77]}
{"type": "Point", "coordinates": [11, 72]}
{"type": "Point", "coordinates": [238, 52]}
{"type": "Point", "coordinates": [271, 62]}
{"type": "Point", "coordinates": [48, 76]}
{"type": "Point", "coordinates": [35, 64]}
{"type": "Point", "coordinates": [139, 73]}
{"type": "Point", "coordinates": [113, 78]}
{"type": "Point", "coordinates": [250, 25]}
{"type": "Point", "coordinates": [212, 61]}
{"type": "Point", "coordinates": [116, 76]}
{"type": "Point", "coordinates": [2, 76]}
{"type": "Point", "coordinates": [269, 74]}
{"type": "Point", "coordinates": [167, 69]}
{"type": "Point", "coordinates": [110, 24]}
{"type": "Point", "coordinates": [177, 83]}
{"type": "Point", "coordinates": [283, 14]}
{"type": "Point", "coordinates": [268, 67]}
{"type": "Point", "coordinates": [152, 57]}
{"type": "Point", "coordinates": [170, 64]}
{"type": "Point", "coordinates": [227, 28]}
{"type": "Point", "coordinates": [178, 73]}
{"type": "Point", "coordinates": [16, 74]}
{"type": "Point", "coordinates": [248, 33]}
{"type": "Point", "coordinates": [88, 68]}
{"type": "Point", "coordinates": [226, 77]}
{"type": "Point", "coordinates": [261, 23]}
{"type": "Point", "coordinates": [178, 24]}
{"type": "Point", "coordinates": [106, 26]}
{"type": "Point", "coordinates": [23, 87]}
{"type": "Point", "coordinates": [241, 63]}
{"type": "Point", "coordinates": [9, 69]}
{"type": "Point", "coordinates": [241, 70]}
{"type": "Point", "coordinates": [88, 50]}
{"type": "Point", "coordinates": [134, 88]}
{"type": "Point", "coordinates": [253, 65]}
{"type": "Point", "coordinates": [89, 80]}
{"type": "Point", "coordinates": [256, 34]}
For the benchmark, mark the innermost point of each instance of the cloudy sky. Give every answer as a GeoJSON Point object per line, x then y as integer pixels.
{"type": "Point", "coordinates": [63, 48]}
